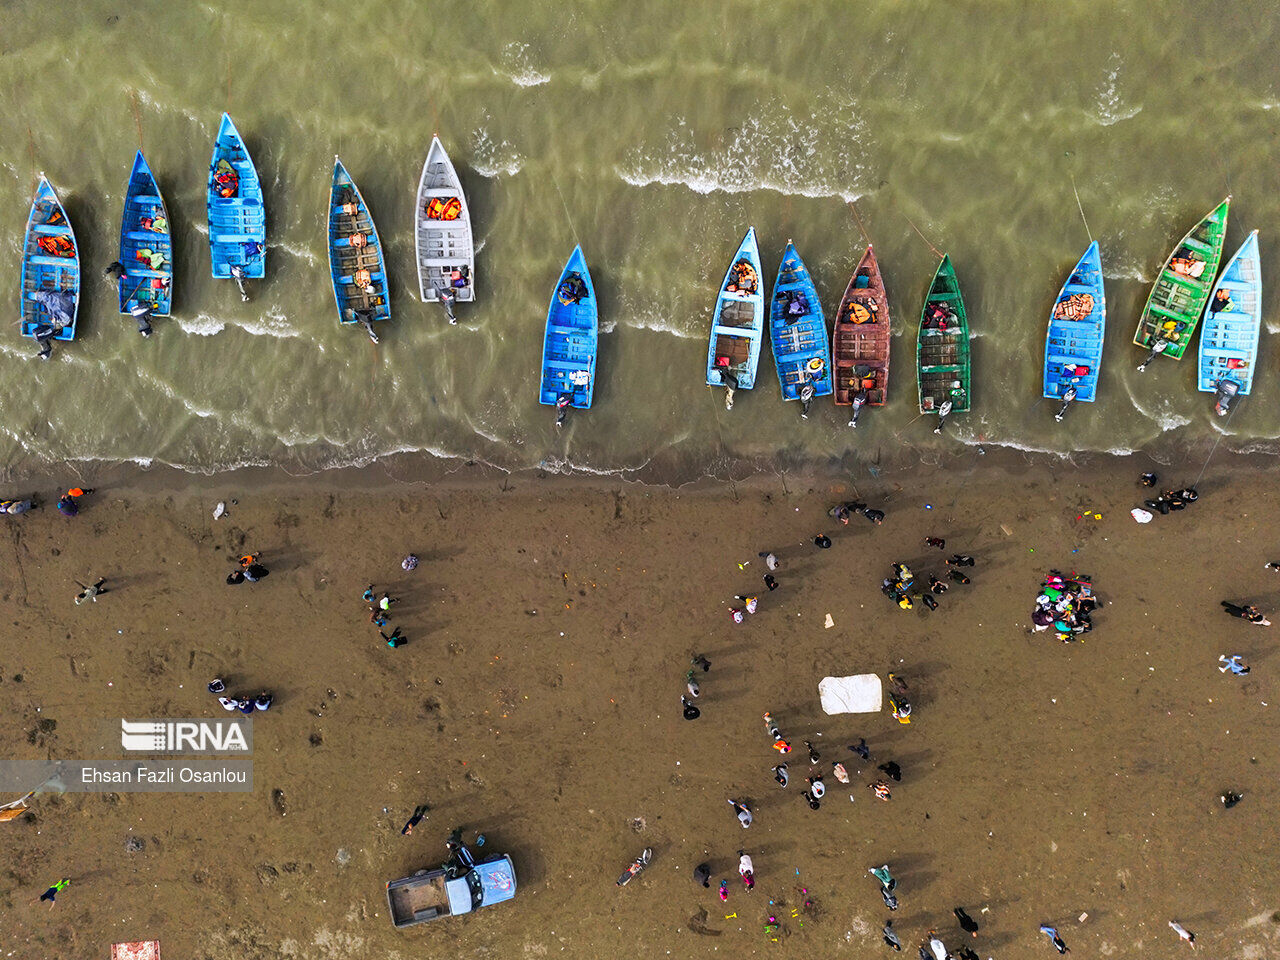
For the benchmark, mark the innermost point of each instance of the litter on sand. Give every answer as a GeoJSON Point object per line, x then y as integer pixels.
{"type": "Point", "coordinates": [219, 510]}
{"type": "Point", "coordinates": [136, 950]}
{"type": "Point", "coordinates": [829, 622]}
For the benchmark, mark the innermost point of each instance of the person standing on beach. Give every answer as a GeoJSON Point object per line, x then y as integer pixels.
{"type": "Point", "coordinates": [861, 748]}
{"type": "Point", "coordinates": [780, 774]}
{"type": "Point", "coordinates": [691, 712]}
{"type": "Point", "coordinates": [890, 937]}
{"type": "Point", "coordinates": [881, 789]}
{"type": "Point", "coordinates": [52, 893]}
{"type": "Point", "coordinates": [959, 560]}
{"type": "Point", "coordinates": [1249, 612]}
{"type": "Point", "coordinates": [882, 874]}
{"type": "Point", "coordinates": [889, 899]}
{"type": "Point", "coordinates": [91, 592]}
{"type": "Point", "coordinates": [1057, 941]}
{"type": "Point", "coordinates": [817, 788]}
{"type": "Point", "coordinates": [743, 812]}
{"type": "Point", "coordinates": [770, 560]}
{"type": "Point", "coordinates": [938, 948]}
{"type": "Point", "coordinates": [369, 595]}
{"type": "Point", "coordinates": [822, 541]}
{"type": "Point", "coordinates": [419, 812]}
{"type": "Point", "coordinates": [809, 798]}
{"type": "Point", "coordinates": [967, 923]}
{"type": "Point", "coordinates": [395, 640]}
{"type": "Point", "coordinates": [771, 581]}
{"type": "Point", "coordinates": [779, 743]}
{"type": "Point", "coordinates": [935, 542]}
{"type": "Point", "coordinates": [1183, 933]}
{"type": "Point", "coordinates": [749, 602]}
{"type": "Point", "coordinates": [746, 870]}
{"type": "Point", "coordinates": [386, 600]}
{"type": "Point", "coordinates": [698, 660]}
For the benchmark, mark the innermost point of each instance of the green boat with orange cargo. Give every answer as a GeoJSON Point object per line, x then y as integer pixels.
{"type": "Point", "coordinates": [1179, 295]}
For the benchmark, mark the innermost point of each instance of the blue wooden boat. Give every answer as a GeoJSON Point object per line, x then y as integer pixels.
{"type": "Point", "coordinates": [237, 215]}
{"type": "Point", "coordinates": [146, 247]}
{"type": "Point", "coordinates": [1073, 345]}
{"type": "Point", "coordinates": [798, 331]}
{"type": "Point", "coordinates": [355, 256]}
{"type": "Point", "coordinates": [1229, 338]}
{"type": "Point", "coordinates": [569, 345]}
{"type": "Point", "coordinates": [737, 326]}
{"type": "Point", "coordinates": [50, 272]}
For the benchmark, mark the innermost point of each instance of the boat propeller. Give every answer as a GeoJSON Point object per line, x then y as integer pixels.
{"type": "Point", "coordinates": [1226, 392]}
{"type": "Point", "coordinates": [562, 405]}
{"type": "Point", "coordinates": [446, 301]}
{"type": "Point", "coordinates": [1067, 397]}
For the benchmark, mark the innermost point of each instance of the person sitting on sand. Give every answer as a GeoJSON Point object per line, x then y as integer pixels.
{"type": "Point", "coordinates": [1248, 612]}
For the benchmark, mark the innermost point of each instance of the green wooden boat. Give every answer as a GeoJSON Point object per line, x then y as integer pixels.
{"type": "Point", "coordinates": [1179, 295]}
{"type": "Point", "coordinates": [942, 345]}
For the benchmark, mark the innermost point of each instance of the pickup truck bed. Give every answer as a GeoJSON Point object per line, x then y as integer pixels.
{"type": "Point", "coordinates": [423, 898]}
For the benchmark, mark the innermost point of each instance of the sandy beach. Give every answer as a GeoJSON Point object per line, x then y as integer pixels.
{"type": "Point", "coordinates": [550, 626]}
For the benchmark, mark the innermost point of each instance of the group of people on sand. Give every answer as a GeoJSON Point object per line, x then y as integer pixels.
{"type": "Point", "coordinates": [898, 587]}
{"type": "Point", "coordinates": [1064, 603]}
{"type": "Point", "coordinates": [245, 705]}
{"type": "Point", "coordinates": [380, 607]}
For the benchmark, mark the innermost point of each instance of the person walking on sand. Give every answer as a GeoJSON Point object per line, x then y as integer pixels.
{"type": "Point", "coordinates": [814, 757]}
{"type": "Point", "coordinates": [743, 812]}
{"type": "Point", "coordinates": [748, 602]}
{"type": "Point", "coordinates": [959, 560]}
{"type": "Point", "coordinates": [724, 891]}
{"type": "Point", "coordinates": [890, 900]}
{"type": "Point", "coordinates": [779, 743]}
{"type": "Point", "coordinates": [816, 787]}
{"type": "Point", "coordinates": [881, 789]}
{"type": "Point", "coordinates": [937, 947]}
{"type": "Point", "coordinates": [698, 660]}
{"type": "Point", "coordinates": [1249, 612]}
{"type": "Point", "coordinates": [1057, 941]}
{"type": "Point", "coordinates": [395, 640]}
{"type": "Point", "coordinates": [91, 592]}
{"type": "Point", "coordinates": [1233, 663]}
{"type": "Point", "coordinates": [771, 581]}
{"type": "Point", "coordinates": [691, 712]}
{"type": "Point", "coordinates": [691, 685]}
{"type": "Point", "coordinates": [891, 770]}
{"type": "Point", "coordinates": [770, 560]}
{"type": "Point", "coordinates": [386, 600]}
{"type": "Point", "coordinates": [746, 870]}
{"type": "Point", "coordinates": [890, 936]}
{"type": "Point", "coordinates": [861, 748]}
{"type": "Point", "coordinates": [369, 595]}
{"type": "Point", "coordinates": [52, 893]}
{"type": "Point", "coordinates": [419, 812]}
{"type": "Point", "coordinates": [838, 769]}
{"type": "Point", "coordinates": [813, 802]}
{"type": "Point", "coordinates": [1183, 933]}
{"type": "Point", "coordinates": [737, 614]}
{"type": "Point", "coordinates": [822, 541]}
{"type": "Point", "coordinates": [780, 774]}
{"type": "Point", "coordinates": [967, 923]}
{"type": "Point", "coordinates": [935, 542]}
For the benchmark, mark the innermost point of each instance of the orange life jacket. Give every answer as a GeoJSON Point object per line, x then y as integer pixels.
{"type": "Point", "coordinates": [56, 246]}
{"type": "Point", "coordinates": [439, 208]}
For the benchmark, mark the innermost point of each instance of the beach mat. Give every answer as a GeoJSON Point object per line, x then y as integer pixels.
{"type": "Point", "coordinates": [861, 693]}
{"type": "Point", "coordinates": [137, 950]}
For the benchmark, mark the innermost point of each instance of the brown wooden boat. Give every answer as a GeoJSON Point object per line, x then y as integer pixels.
{"type": "Point", "coordinates": [860, 340]}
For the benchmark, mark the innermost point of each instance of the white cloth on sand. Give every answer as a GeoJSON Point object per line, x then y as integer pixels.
{"type": "Point", "coordinates": [861, 693]}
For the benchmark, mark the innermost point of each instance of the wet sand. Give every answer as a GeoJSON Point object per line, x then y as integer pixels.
{"type": "Point", "coordinates": [550, 624]}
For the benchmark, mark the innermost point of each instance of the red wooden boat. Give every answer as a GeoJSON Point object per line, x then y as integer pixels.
{"type": "Point", "coordinates": [860, 340]}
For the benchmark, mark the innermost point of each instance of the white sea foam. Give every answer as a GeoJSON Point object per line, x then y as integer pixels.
{"type": "Point", "coordinates": [662, 324]}
{"type": "Point", "coordinates": [308, 254]}
{"type": "Point", "coordinates": [1109, 105]}
{"type": "Point", "coordinates": [517, 68]}
{"type": "Point", "coordinates": [493, 159]}
{"type": "Point", "coordinates": [202, 325]}
{"type": "Point", "coordinates": [783, 154]}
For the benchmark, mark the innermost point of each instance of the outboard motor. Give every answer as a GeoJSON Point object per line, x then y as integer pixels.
{"type": "Point", "coordinates": [942, 415]}
{"type": "Point", "coordinates": [365, 319]}
{"type": "Point", "coordinates": [237, 275]}
{"type": "Point", "coordinates": [445, 297]}
{"type": "Point", "coordinates": [1157, 348]}
{"type": "Point", "coordinates": [806, 398]}
{"type": "Point", "coordinates": [731, 387]}
{"type": "Point", "coordinates": [1227, 391]}
{"type": "Point", "coordinates": [562, 405]}
{"type": "Point", "coordinates": [44, 334]}
{"type": "Point", "coordinates": [859, 399]}
{"type": "Point", "coordinates": [142, 314]}
{"type": "Point", "coordinates": [1066, 402]}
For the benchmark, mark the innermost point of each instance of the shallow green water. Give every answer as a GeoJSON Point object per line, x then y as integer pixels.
{"type": "Point", "coordinates": [653, 138]}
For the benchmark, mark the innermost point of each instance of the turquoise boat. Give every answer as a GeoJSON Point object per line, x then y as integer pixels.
{"type": "Point", "coordinates": [356, 266]}
{"type": "Point", "coordinates": [798, 330]}
{"type": "Point", "coordinates": [237, 214]}
{"type": "Point", "coordinates": [569, 343]}
{"type": "Point", "coordinates": [50, 272]}
{"type": "Point", "coordinates": [1073, 345]}
{"type": "Point", "coordinates": [737, 325]}
{"type": "Point", "coordinates": [146, 247]}
{"type": "Point", "coordinates": [1232, 319]}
